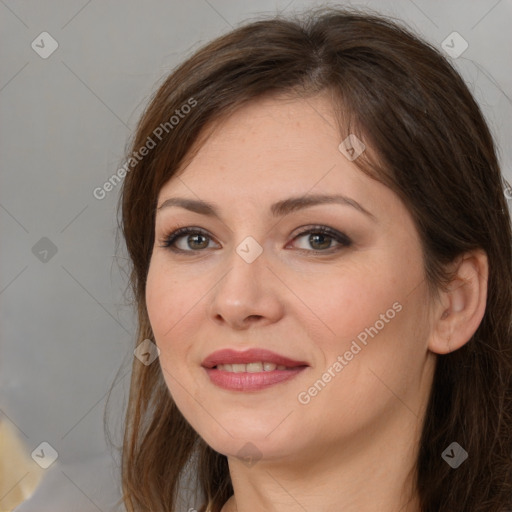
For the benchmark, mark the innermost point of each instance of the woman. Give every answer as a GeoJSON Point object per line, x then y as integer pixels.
{"type": "Point", "coordinates": [321, 253]}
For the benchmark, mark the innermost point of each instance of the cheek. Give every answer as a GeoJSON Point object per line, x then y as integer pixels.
{"type": "Point", "coordinates": [353, 298]}
{"type": "Point", "coordinates": [176, 309]}
{"type": "Point", "coordinates": [167, 299]}
{"type": "Point", "coordinates": [377, 321]}
{"type": "Point", "coordinates": [158, 299]}
{"type": "Point", "coordinates": [167, 304]}
{"type": "Point", "coordinates": [373, 313]}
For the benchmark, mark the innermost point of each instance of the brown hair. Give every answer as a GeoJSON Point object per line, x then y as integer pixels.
{"type": "Point", "coordinates": [408, 104]}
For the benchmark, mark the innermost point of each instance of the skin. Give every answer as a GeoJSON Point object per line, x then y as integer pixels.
{"type": "Point", "coordinates": [353, 446]}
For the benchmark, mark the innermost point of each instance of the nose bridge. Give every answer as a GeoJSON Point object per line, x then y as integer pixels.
{"type": "Point", "coordinates": [243, 292]}
{"type": "Point", "coordinates": [247, 266]}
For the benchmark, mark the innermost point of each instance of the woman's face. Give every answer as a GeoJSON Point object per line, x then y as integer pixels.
{"type": "Point", "coordinates": [336, 285]}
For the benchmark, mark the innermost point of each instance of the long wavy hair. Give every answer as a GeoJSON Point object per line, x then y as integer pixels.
{"type": "Point", "coordinates": [430, 145]}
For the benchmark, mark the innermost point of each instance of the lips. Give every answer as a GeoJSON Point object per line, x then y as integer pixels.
{"type": "Point", "coordinates": [237, 371]}
{"type": "Point", "coordinates": [250, 370]}
{"type": "Point", "coordinates": [229, 356]}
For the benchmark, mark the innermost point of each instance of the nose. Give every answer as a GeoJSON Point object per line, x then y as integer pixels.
{"type": "Point", "coordinates": [247, 295]}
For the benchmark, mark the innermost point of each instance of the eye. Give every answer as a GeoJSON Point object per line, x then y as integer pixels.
{"type": "Point", "coordinates": [187, 239]}
{"type": "Point", "coordinates": [319, 238]}
{"type": "Point", "coordinates": [322, 239]}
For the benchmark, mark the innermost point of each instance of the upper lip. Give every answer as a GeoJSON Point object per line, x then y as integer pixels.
{"type": "Point", "coordinates": [253, 355]}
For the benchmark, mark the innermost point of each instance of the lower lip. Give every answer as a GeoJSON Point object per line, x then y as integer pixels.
{"type": "Point", "coordinates": [245, 381]}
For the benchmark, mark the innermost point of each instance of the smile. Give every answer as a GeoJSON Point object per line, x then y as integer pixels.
{"type": "Point", "coordinates": [253, 369]}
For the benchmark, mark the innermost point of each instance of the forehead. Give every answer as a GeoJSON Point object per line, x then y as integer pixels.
{"type": "Point", "coordinates": [269, 138]}
{"type": "Point", "coordinates": [271, 149]}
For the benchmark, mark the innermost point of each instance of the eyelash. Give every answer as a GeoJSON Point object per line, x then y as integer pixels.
{"type": "Point", "coordinates": [341, 238]}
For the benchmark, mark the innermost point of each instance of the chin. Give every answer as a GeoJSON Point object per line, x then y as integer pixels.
{"type": "Point", "coordinates": [253, 440]}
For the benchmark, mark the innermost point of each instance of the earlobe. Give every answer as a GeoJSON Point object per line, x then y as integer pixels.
{"type": "Point", "coordinates": [462, 306]}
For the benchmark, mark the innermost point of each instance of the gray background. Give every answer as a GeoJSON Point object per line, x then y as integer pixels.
{"type": "Point", "coordinates": [66, 329]}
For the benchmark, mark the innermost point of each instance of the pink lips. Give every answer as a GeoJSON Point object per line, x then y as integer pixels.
{"type": "Point", "coordinates": [246, 381]}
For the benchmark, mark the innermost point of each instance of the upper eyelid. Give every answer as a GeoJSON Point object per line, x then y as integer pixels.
{"type": "Point", "coordinates": [186, 230]}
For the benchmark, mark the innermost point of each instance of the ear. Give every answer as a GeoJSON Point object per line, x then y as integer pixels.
{"type": "Point", "coordinates": [460, 309]}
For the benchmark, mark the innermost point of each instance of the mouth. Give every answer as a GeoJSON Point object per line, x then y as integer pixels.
{"type": "Point", "coordinates": [250, 370]}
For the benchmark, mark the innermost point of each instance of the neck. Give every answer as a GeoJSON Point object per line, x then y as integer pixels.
{"type": "Point", "coordinates": [353, 476]}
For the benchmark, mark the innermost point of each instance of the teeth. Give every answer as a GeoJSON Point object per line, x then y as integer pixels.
{"type": "Point", "coordinates": [253, 367]}
{"type": "Point", "coordinates": [250, 367]}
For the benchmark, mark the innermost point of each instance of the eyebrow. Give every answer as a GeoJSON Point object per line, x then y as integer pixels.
{"type": "Point", "coordinates": [277, 209]}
